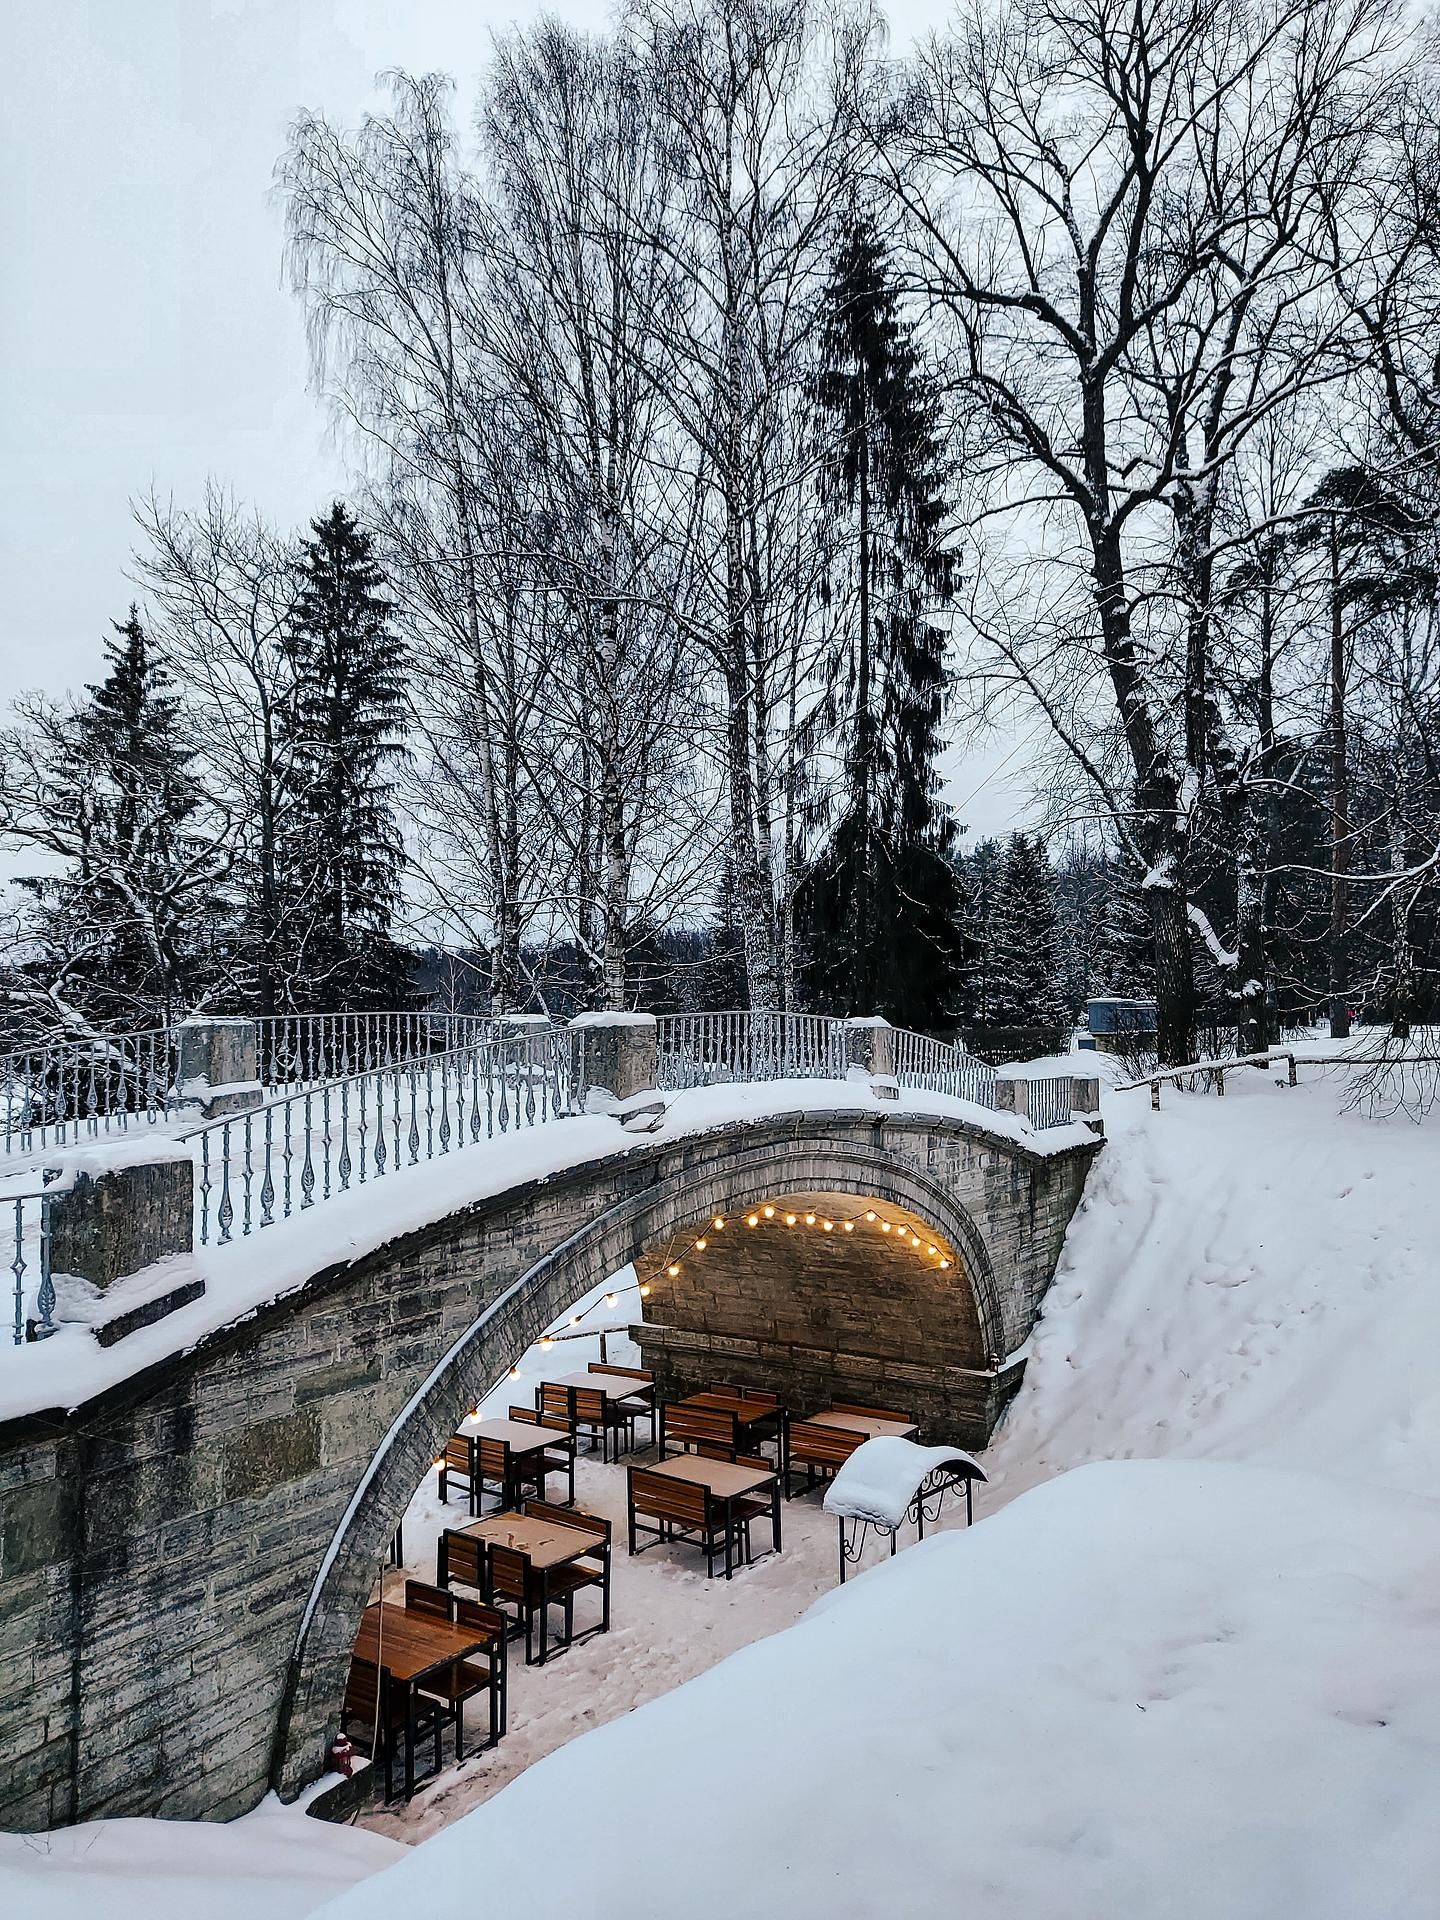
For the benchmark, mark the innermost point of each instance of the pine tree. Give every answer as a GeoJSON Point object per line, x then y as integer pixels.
{"type": "Point", "coordinates": [116, 796]}
{"type": "Point", "coordinates": [1025, 969]}
{"type": "Point", "coordinates": [348, 708]}
{"type": "Point", "coordinates": [878, 914]}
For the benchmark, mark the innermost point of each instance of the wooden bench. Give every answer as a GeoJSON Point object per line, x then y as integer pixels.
{"type": "Point", "coordinates": [680, 1509]}
{"type": "Point", "coordinates": [687, 1426]}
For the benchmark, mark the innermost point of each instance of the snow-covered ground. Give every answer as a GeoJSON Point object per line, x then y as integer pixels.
{"type": "Point", "coordinates": [1204, 1680]}
{"type": "Point", "coordinates": [275, 1864]}
{"type": "Point", "coordinates": [1192, 1686]}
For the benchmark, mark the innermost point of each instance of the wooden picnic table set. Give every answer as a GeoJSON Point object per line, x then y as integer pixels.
{"type": "Point", "coordinates": [502, 1575]}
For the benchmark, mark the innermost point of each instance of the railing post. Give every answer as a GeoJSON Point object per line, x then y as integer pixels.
{"type": "Point", "coordinates": [870, 1051]}
{"type": "Point", "coordinates": [218, 1071]}
{"type": "Point", "coordinates": [618, 1058]}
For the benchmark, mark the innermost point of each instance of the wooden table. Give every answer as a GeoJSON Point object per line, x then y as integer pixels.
{"type": "Point", "coordinates": [546, 1544]}
{"type": "Point", "coordinates": [614, 1386]}
{"type": "Point", "coordinates": [412, 1646]}
{"type": "Point", "coordinates": [748, 1413]}
{"type": "Point", "coordinates": [726, 1483]}
{"type": "Point", "coordinates": [862, 1423]}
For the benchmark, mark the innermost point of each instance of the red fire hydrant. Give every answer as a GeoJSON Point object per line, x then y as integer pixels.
{"type": "Point", "coordinates": [342, 1755]}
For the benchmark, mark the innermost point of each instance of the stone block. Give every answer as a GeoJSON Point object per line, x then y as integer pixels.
{"type": "Point", "coordinates": [219, 1067]}
{"type": "Point", "coordinates": [268, 1455]}
{"type": "Point", "coordinates": [112, 1224]}
{"type": "Point", "coordinates": [618, 1058]}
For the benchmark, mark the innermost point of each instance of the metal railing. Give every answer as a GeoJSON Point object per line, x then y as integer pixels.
{"type": "Point", "coordinates": [1048, 1102]}
{"type": "Point", "coordinates": [300, 1049]}
{"type": "Point", "coordinates": [73, 1090]}
{"type": "Point", "coordinates": [710, 1049]}
{"type": "Point", "coordinates": [935, 1066]}
{"type": "Point", "coordinates": [290, 1154]}
{"type": "Point", "coordinates": [27, 1219]}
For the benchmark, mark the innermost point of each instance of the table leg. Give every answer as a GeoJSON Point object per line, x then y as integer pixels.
{"type": "Point", "coordinates": [544, 1613]}
{"type": "Point", "coordinates": [410, 1741]}
{"type": "Point", "coordinates": [729, 1536]}
{"type": "Point", "coordinates": [775, 1515]}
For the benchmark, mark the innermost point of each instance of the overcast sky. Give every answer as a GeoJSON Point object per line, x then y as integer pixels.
{"type": "Point", "coordinates": [145, 337]}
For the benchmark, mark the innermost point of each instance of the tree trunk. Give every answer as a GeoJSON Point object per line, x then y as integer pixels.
{"type": "Point", "coordinates": [1339, 806]}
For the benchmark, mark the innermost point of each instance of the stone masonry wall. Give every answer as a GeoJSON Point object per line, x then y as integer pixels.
{"type": "Point", "coordinates": [159, 1545]}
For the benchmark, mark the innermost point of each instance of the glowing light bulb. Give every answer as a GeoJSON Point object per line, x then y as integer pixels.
{"type": "Point", "coordinates": [849, 1226]}
{"type": "Point", "coordinates": [439, 1463]}
{"type": "Point", "coordinates": [474, 1413]}
{"type": "Point", "coordinates": [574, 1319]}
{"type": "Point", "coordinates": [809, 1219]}
{"type": "Point", "coordinates": [672, 1270]}
{"type": "Point", "coordinates": [828, 1225]}
{"type": "Point", "coordinates": [612, 1299]}
{"type": "Point", "coordinates": [701, 1244]}
{"type": "Point", "coordinates": [645, 1286]}
{"type": "Point", "coordinates": [870, 1213]}
{"type": "Point", "coordinates": [769, 1213]}
{"type": "Point", "coordinates": [944, 1263]}
{"type": "Point", "coordinates": [884, 1226]}
{"type": "Point", "coordinates": [789, 1219]}
{"type": "Point", "coordinates": [753, 1221]}
{"type": "Point", "coordinates": [717, 1223]}
{"type": "Point", "coordinates": [932, 1249]}
{"type": "Point", "coordinates": [546, 1344]}
{"type": "Point", "coordinates": [514, 1373]}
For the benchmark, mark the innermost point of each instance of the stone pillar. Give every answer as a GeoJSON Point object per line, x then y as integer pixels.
{"type": "Point", "coordinates": [116, 1222]}
{"type": "Point", "coordinates": [618, 1058]}
{"type": "Point", "coordinates": [870, 1046]}
{"type": "Point", "coordinates": [218, 1071]}
{"type": "Point", "coordinates": [1085, 1102]}
{"type": "Point", "coordinates": [1012, 1096]}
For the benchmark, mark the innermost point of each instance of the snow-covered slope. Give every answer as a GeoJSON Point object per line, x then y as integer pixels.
{"type": "Point", "coordinates": [1149, 1689]}
{"type": "Point", "coordinates": [1189, 1684]}
{"type": "Point", "coordinates": [275, 1864]}
{"type": "Point", "coordinates": [1254, 1278]}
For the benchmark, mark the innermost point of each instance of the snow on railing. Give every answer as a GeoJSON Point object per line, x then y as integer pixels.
{"type": "Point", "coordinates": [76, 1089]}
{"type": "Point", "coordinates": [291, 1153]}
{"type": "Point", "coordinates": [1049, 1101]}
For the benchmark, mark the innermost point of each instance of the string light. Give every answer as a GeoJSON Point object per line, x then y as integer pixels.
{"type": "Point", "coordinates": [612, 1299]}
{"type": "Point", "coordinates": [644, 1288]}
{"type": "Point", "coordinates": [546, 1343]}
{"type": "Point", "coordinates": [906, 1234]}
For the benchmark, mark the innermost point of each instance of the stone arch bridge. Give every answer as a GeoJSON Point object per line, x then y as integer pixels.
{"type": "Point", "coordinates": [185, 1554]}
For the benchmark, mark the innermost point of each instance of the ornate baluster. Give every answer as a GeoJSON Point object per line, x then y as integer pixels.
{"type": "Point", "coordinates": [414, 1140]}
{"type": "Point", "coordinates": [225, 1214]}
{"type": "Point", "coordinates": [17, 1267]}
{"type": "Point", "coordinates": [246, 1176]}
{"type": "Point", "coordinates": [343, 1164]}
{"type": "Point", "coordinates": [363, 1089]}
{"type": "Point", "coordinates": [267, 1183]}
{"type": "Point", "coordinates": [445, 1103]}
{"type": "Point", "coordinates": [380, 1153]}
{"type": "Point", "coordinates": [205, 1186]}
{"type": "Point", "coordinates": [307, 1165]}
{"type": "Point", "coordinates": [325, 1141]}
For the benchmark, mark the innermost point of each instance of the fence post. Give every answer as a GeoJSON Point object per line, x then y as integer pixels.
{"type": "Point", "coordinates": [1013, 1096]}
{"type": "Point", "coordinates": [218, 1070]}
{"type": "Point", "coordinates": [870, 1046]}
{"type": "Point", "coordinates": [618, 1058]}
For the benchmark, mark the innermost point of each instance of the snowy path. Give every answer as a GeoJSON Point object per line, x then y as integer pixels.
{"type": "Point", "coordinates": [1253, 1278]}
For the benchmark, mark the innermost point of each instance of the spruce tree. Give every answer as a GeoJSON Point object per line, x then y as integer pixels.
{"type": "Point", "coordinates": [138, 895]}
{"type": "Point", "coordinates": [878, 914]}
{"type": "Point", "coordinates": [1025, 986]}
{"type": "Point", "coordinates": [347, 715]}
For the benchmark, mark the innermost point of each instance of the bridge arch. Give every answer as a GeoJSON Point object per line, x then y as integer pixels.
{"type": "Point", "coordinates": [478, 1361]}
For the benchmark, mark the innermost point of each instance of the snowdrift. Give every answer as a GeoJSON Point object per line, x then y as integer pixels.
{"type": "Point", "coordinates": [1158, 1688]}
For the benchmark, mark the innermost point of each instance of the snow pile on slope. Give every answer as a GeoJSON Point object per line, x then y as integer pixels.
{"type": "Point", "coordinates": [1161, 1689]}
{"type": "Point", "coordinates": [1252, 1278]}
{"type": "Point", "coordinates": [275, 1862]}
